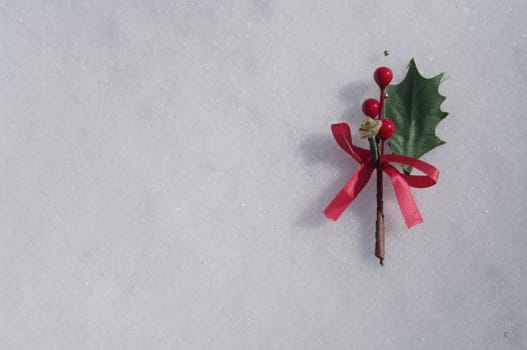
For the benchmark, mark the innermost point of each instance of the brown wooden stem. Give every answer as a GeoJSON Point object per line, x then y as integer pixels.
{"type": "Point", "coordinates": [379, 223]}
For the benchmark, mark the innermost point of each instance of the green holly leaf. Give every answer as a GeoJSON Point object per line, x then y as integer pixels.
{"type": "Point", "coordinates": [414, 106]}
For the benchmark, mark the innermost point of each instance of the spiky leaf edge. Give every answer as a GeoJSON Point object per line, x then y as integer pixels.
{"type": "Point", "coordinates": [396, 142]}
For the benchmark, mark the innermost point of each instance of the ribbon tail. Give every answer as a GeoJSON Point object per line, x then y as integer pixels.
{"type": "Point", "coordinates": [348, 193]}
{"type": "Point", "coordinates": [409, 209]}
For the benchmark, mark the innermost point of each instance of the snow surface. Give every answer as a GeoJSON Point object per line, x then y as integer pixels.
{"type": "Point", "coordinates": [165, 164]}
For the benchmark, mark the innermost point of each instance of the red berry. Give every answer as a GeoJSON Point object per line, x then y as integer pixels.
{"type": "Point", "coordinates": [383, 76]}
{"type": "Point", "coordinates": [371, 107]}
{"type": "Point", "coordinates": [387, 129]}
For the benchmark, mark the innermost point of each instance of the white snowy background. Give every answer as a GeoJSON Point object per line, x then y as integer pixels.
{"type": "Point", "coordinates": [165, 164]}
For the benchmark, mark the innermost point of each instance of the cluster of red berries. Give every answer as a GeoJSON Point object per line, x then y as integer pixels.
{"type": "Point", "coordinates": [373, 108]}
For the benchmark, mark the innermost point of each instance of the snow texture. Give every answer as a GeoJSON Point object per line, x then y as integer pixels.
{"type": "Point", "coordinates": [165, 164]}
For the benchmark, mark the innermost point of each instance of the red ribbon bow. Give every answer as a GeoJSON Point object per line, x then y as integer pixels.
{"type": "Point", "coordinates": [401, 182]}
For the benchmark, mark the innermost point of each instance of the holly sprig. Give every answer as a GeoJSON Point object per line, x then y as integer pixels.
{"type": "Point", "coordinates": [414, 110]}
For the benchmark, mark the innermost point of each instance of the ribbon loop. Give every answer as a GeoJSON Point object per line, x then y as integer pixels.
{"type": "Point", "coordinates": [420, 181]}
{"type": "Point", "coordinates": [342, 134]}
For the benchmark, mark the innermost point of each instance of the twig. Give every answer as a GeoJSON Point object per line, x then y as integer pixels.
{"type": "Point", "coordinates": [379, 223]}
